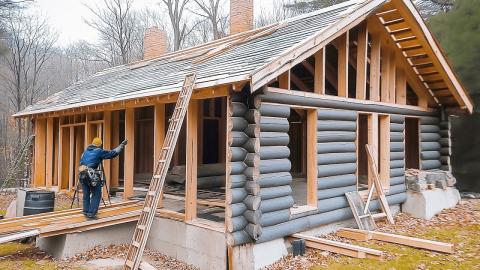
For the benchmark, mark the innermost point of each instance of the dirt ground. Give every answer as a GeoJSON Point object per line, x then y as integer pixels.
{"type": "Point", "coordinates": [460, 226]}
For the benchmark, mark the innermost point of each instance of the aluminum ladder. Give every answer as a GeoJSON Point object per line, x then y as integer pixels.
{"type": "Point", "coordinates": [140, 235]}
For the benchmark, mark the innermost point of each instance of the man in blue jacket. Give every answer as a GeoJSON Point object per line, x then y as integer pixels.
{"type": "Point", "coordinates": [90, 176]}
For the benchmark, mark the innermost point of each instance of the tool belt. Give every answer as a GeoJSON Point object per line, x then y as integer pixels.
{"type": "Point", "coordinates": [90, 176]}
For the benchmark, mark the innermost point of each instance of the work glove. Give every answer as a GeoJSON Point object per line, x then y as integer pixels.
{"type": "Point", "coordinates": [120, 147]}
{"type": "Point", "coordinates": [124, 142]}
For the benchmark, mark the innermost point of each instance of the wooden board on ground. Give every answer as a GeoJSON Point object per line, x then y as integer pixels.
{"type": "Point", "coordinates": [364, 221]}
{"type": "Point", "coordinates": [362, 235]}
{"type": "Point", "coordinates": [339, 247]}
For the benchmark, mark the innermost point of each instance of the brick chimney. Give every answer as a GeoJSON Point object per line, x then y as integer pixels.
{"type": "Point", "coordinates": [154, 43]}
{"type": "Point", "coordinates": [241, 16]}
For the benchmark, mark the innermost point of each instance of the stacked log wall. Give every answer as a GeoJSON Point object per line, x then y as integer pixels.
{"type": "Point", "coordinates": [446, 144]}
{"type": "Point", "coordinates": [430, 143]}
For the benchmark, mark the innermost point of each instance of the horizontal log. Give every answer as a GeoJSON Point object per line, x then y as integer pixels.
{"type": "Point", "coordinates": [397, 172]}
{"type": "Point", "coordinates": [275, 179]}
{"type": "Point", "coordinates": [235, 168]}
{"type": "Point", "coordinates": [396, 136]}
{"type": "Point", "coordinates": [252, 116]}
{"type": "Point", "coordinates": [276, 217]}
{"type": "Point", "coordinates": [397, 180]}
{"type": "Point", "coordinates": [397, 164]}
{"type": "Point", "coordinates": [274, 124]}
{"type": "Point", "coordinates": [336, 181]}
{"type": "Point", "coordinates": [395, 118]}
{"type": "Point", "coordinates": [430, 164]}
{"type": "Point", "coordinates": [336, 158]}
{"type": "Point", "coordinates": [238, 109]}
{"type": "Point", "coordinates": [237, 154]}
{"type": "Point", "coordinates": [429, 137]}
{"type": "Point", "coordinates": [236, 224]}
{"type": "Point", "coordinates": [334, 192]}
{"type": "Point", "coordinates": [235, 210]}
{"type": "Point", "coordinates": [252, 202]}
{"type": "Point", "coordinates": [253, 216]}
{"type": "Point", "coordinates": [430, 146]}
{"type": "Point", "coordinates": [274, 139]}
{"type": "Point", "coordinates": [254, 230]}
{"type": "Point", "coordinates": [237, 138]}
{"type": "Point", "coordinates": [329, 114]}
{"type": "Point", "coordinates": [428, 155]}
{"type": "Point", "coordinates": [237, 181]}
{"type": "Point", "coordinates": [274, 152]}
{"type": "Point", "coordinates": [396, 189]}
{"type": "Point", "coordinates": [274, 110]}
{"type": "Point", "coordinates": [236, 195]}
{"type": "Point", "coordinates": [336, 136]}
{"type": "Point", "coordinates": [397, 155]}
{"type": "Point", "coordinates": [251, 173]}
{"type": "Point", "coordinates": [252, 145]}
{"type": "Point", "coordinates": [397, 147]}
{"type": "Point", "coordinates": [238, 123]}
{"type": "Point", "coordinates": [335, 125]}
{"type": "Point", "coordinates": [429, 128]}
{"type": "Point", "coordinates": [285, 98]}
{"type": "Point", "coordinates": [252, 130]}
{"type": "Point", "coordinates": [336, 147]}
{"type": "Point", "coordinates": [211, 181]}
{"type": "Point", "coordinates": [238, 238]}
{"type": "Point", "coordinates": [276, 204]}
{"type": "Point", "coordinates": [275, 192]}
{"type": "Point", "coordinates": [336, 169]}
{"type": "Point", "coordinates": [275, 165]}
{"type": "Point", "coordinates": [252, 188]}
{"type": "Point", "coordinates": [252, 160]}
{"type": "Point", "coordinates": [394, 127]}
{"type": "Point", "coordinates": [332, 204]}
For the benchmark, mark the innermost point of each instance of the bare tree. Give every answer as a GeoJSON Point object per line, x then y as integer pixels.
{"type": "Point", "coordinates": [176, 11]}
{"type": "Point", "coordinates": [281, 10]}
{"type": "Point", "coordinates": [211, 11]}
{"type": "Point", "coordinates": [115, 23]}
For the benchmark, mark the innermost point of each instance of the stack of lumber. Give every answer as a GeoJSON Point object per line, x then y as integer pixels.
{"type": "Point", "coordinates": [67, 221]}
{"type": "Point", "coordinates": [419, 180]}
{"type": "Point", "coordinates": [208, 175]}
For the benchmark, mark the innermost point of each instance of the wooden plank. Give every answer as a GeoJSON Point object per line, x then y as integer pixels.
{"type": "Point", "coordinates": [115, 163]}
{"type": "Point", "coordinates": [384, 153]}
{"type": "Point", "coordinates": [79, 148]}
{"type": "Point", "coordinates": [343, 44]}
{"type": "Point", "coordinates": [129, 158]}
{"type": "Point", "coordinates": [71, 160]}
{"type": "Point", "coordinates": [392, 75]}
{"type": "Point", "coordinates": [191, 161]}
{"type": "Point", "coordinates": [312, 118]}
{"type": "Point", "coordinates": [400, 87]}
{"type": "Point", "coordinates": [360, 211]}
{"type": "Point", "coordinates": [50, 147]}
{"type": "Point", "coordinates": [339, 247]}
{"type": "Point", "coordinates": [385, 78]}
{"type": "Point", "coordinates": [375, 68]}
{"type": "Point", "coordinates": [63, 148]}
{"type": "Point", "coordinates": [158, 137]}
{"type": "Point", "coordinates": [319, 74]}
{"type": "Point", "coordinates": [107, 144]}
{"type": "Point", "coordinates": [362, 235]}
{"type": "Point", "coordinates": [40, 151]}
{"type": "Point", "coordinates": [56, 151]}
{"type": "Point", "coordinates": [284, 80]}
{"type": "Point", "coordinates": [373, 142]}
{"type": "Point", "coordinates": [362, 55]}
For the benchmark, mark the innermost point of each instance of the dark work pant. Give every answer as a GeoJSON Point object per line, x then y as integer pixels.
{"type": "Point", "coordinates": [91, 198]}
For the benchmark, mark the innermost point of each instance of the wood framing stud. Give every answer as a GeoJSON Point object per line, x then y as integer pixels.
{"type": "Point", "coordinates": [312, 170]}
{"type": "Point", "coordinates": [375, 69]}
{"type": "Point", "coordinates": [362, 55]}
{"type": "Point", "coordinates": [319, 76]}
{"type": "Point", "coordinates": [50, 144]}
{"type": "Point", "coordinates": [191, 161]}
{"type": "Point", "coordinates": [343, 44]}
{"type": "Point", "coordinates": [129, 158]}
{"type": "Point", "coordinates": [40, 152]}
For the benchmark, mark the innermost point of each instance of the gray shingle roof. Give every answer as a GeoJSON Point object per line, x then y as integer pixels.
{"type": "Point", "coordinates": [165, 74]}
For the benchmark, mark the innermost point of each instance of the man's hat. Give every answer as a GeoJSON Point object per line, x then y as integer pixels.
{"type": "Point", "coordinates": [97, 142]}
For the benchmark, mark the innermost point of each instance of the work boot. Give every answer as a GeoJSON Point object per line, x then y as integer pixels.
{"type": "Point", "coordinates": [91, 217]}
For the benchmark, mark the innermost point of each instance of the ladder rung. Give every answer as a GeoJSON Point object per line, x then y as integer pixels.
{"type": "Point", "coordinates": [142, 227]}
{"type": "Point", "coordinates": [364, 216]}
{"type": "Point", "coordinates": [379, 215]}
{"type": "Point", "coordinates": [147, 209]}
{"type": "Point", "coordinates": [136, 244]}
{"type": "Point", "coordinates": [151, 193]}
{"type": "Point", "coordinates": [157, 176]}
{"type": "Point", "coordinates": [129, 263]}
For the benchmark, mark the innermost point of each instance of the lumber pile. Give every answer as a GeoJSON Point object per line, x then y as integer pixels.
{"type": "Point", "coordinates": [420, 180]}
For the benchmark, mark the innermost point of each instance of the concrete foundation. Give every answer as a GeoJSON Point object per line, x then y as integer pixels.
{"type": "Point", "coordinates": [63, 246]}
{"type": "Point", "coordinates": [428, 203]}
{"type": "Point", "coordinates": [191, 244]}
{"type": "Point", "coordinates": [257, 256]}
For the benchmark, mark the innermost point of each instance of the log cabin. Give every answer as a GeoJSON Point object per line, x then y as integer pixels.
{"type": "Point", "coordinates": [276, 130]}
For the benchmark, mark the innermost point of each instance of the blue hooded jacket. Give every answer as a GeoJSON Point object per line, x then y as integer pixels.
{"type": "Point", "coordinates": [93, 155]}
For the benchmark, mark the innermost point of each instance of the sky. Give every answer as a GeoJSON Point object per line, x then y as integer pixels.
{"type": "Point", "coordinates": [67, 16]}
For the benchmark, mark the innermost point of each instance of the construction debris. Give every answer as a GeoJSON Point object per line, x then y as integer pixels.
{"type": "Point", "coordinates": [419, 180]}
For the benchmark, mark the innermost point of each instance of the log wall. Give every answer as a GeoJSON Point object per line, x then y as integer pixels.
{"type": "Point", "coordinates": [430, 143]}
{"type": "Point", "coordinates": [446, 144]}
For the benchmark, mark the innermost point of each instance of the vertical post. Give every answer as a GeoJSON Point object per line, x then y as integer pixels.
{"type": "Point", "coordinates": [63, 148]}
{"type": "Point", "coordinates": [373, 142]}
{"type": "Point", "coordinates": [79, 148]}
{"type": "Point", "coordinates": [392, 77]}
{"type": "Point", "coordinates": [129, 160]}
{"type": "Point", "coordinates": [362, 55]}
{"type": "Point", "coordinates": [115, 163]}
{"type": "Point", "coordinates": [284, 80]}
{"type": "Point", "coordinates": [375, 69]}
{"type": "Point", "coordinates": [158, 137]}
{"type": "Point", "coordinates": [50, 144]}
{"type": "Point", "coordinates": [107, 144]}
{"type": "Point", "coordinates": [319, 78]}
{"type": "Point", "coordinates": [384, 161]}
{"type": "Point", "coordinates": [343, 42]}
{"type": "Point", "coordinates": [71, 159]}
{"type": "Point", "coordinates": [401, 87]}
{"type": "Point", "coordinates": [312, 170]}
{"type": "Point", "coordinates": [385, 79]}
{"type": "Point", "coordinates": [191, 162]}
{"type": "Point", "coordinates": [56, 151]}
{"type": "Point", "coordinates": [40, 151]}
